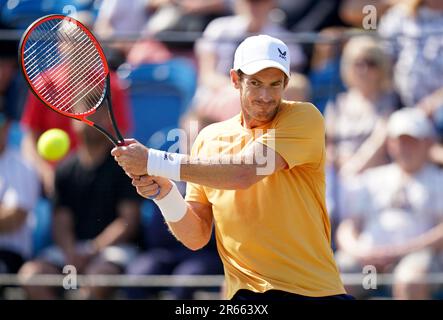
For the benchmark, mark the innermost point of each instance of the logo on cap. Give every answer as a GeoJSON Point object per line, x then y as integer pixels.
{"type": "Point", "coordinates": [282, 54]}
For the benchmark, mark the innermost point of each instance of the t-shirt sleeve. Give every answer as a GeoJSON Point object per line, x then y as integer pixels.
{"type": "Point", "coordinates": [196, 192]}
{"type": "Point", "coordinates": [298, 136]}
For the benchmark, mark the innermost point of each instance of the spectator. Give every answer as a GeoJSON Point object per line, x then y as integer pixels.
{"type": "Point", "coordinates": [37, 118]}
{"type": "Point", "coordinates": [394, 213]}
{"type": "Point", "coordinates": [355, 121]}
{"type": "Point", "coordinates": [413, 31]}
{"type": "Point", "coordinates": [309, 15]}
{"type": "Point", "coordinates": [117, 21]}
{"type": "Point", "coordinates": [324, 72]}
{"type": "Point", "coordinates": [414, 42]}
{"type": "Point", "coordinates": [19, 190]}
{"type": "Point", "coordinates": [11, 86]}
{"type": "Point", "coordinates": [184, 15]}
{"type": "Point", "coordinates": [116, 18]}
{"type": "Point", "coordinates": [95, 215]}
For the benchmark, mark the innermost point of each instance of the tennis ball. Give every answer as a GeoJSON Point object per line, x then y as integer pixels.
{"type": "Point", "coordinates": [53, 144]}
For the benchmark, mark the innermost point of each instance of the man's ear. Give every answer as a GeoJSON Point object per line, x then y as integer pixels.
{"type": "Point", "coordinates": [286, 81]}
{"type": "Point", "coordinates": [235, 79]}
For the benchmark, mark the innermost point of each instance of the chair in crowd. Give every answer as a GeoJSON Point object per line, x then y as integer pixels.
{"type": "Point", "coordinates": [159, 94]}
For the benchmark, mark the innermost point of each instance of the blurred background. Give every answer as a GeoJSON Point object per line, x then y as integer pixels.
{"type": "Point", "coordinates": [373, 68]}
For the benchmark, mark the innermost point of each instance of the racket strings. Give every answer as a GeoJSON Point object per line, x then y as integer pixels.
{"type": "Point", "coordinates": [64, 66]}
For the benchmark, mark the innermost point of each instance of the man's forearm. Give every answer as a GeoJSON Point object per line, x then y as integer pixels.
{"type": "Point", "coordinates": [219, 176]}
{"type": "Point", "coordinates": [192, 231]}
{"type": "Point", "coordinates": [223, 172]}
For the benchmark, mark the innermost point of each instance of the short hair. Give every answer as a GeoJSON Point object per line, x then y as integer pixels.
{"type": "Point", "coordinates": [241, 74]}
{"type": "Point", "coordinates": [368, 46]}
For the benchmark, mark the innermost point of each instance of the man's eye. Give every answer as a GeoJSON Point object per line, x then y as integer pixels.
{"type": "Point", "coordinates": [255, 83]}
{"type": "Point", "coordinates": [276, 84]}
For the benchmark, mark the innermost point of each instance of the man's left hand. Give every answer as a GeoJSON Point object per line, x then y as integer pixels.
{"type": "Point", "coordinates": [133, 157]}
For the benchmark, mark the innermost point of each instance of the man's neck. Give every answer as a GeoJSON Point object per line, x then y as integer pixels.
{"type": "Point", "coordinates": [249, 123]}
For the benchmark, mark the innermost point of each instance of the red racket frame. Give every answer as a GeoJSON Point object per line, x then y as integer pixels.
{"type": "Point", "coordinates": [107, 95]}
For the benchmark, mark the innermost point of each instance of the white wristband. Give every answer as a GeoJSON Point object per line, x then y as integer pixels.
{"type": "Point", "coordinates": [164, 164]}
{"type": "Point", "coordinates": [172, 206]}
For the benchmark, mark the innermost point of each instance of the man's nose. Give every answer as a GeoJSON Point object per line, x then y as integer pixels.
{"type": "Point", "coordinates": [265, 95]}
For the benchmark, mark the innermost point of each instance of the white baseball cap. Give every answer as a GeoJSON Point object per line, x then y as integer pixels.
{"type": "Point", "coordinates": [260, 52]}
{"type": "Point", "coordinates": [411, 122]}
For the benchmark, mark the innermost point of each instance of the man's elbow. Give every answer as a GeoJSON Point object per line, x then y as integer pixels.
{"type": "Point", "coordinates": [245, 180]}
{"type": "Point", "coordinates": [196, 245]}
{"type": "Point", "coordinates": [198, 242]}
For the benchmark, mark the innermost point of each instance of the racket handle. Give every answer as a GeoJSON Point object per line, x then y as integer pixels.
{"type": "Point", "coordinates": [155, 195]}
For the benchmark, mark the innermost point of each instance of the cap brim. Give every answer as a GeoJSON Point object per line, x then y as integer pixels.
{"type": "Point", "coordinates": [404, 130]}
{"type": "Point", "coordinates": [257, 66]}
{"type": "Point", "coordinates": [400, 133]}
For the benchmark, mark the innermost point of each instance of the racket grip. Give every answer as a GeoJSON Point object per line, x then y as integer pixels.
{"type": "Point", "coordinates": [155, 195]}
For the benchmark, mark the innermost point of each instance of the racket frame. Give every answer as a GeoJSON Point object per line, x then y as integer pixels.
{"type": "Point", "coordinates": [107, 91]}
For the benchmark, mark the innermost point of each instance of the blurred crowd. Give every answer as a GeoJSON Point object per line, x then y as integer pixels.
{"type": "Point", "coordinates": [380, 90]}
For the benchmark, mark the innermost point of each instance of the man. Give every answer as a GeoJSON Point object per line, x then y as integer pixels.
{"type": "Point", "coordinates": [271, 223]}
{"type": "Point", "coordinates": [95, 215]}
{"type": "Point", "coordinates": [394, 213]}
{"type": "Point", "coordinates": [19, 191]}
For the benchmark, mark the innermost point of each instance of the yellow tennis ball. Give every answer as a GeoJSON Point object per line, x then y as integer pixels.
{"type": "Point", "coordinates": [53, 144]}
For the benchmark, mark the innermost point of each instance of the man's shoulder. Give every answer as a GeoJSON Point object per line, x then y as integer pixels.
{"type": "Point", "coordinates": [220, 127]}
{"type": "Point", "coordinates": [298, 107]}
{"type": "Point", "coordinates": [299, 112]}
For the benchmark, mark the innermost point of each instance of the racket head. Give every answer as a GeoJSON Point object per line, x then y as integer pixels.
{"type": "Point", "coordinates": [64, 66]}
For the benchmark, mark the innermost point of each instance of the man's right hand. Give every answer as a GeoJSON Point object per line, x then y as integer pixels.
{"type": "Point", "coordinates": [148, 186]}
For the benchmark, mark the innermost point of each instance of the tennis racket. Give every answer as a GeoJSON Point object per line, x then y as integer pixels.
{"type": "Point", "coordinates": [66, 68]}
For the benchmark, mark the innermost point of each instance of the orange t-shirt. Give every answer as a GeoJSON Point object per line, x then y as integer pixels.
{"type": "Point", "coordinates": [276, 233]}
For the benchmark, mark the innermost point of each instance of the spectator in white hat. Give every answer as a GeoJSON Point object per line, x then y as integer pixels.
{"type": "Point", "coordinates": [394, 213]}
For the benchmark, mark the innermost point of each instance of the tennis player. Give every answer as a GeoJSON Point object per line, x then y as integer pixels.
{"type": "Point", "coordinates": [259, 179]}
